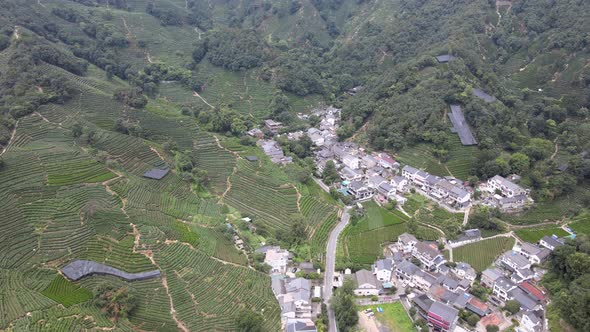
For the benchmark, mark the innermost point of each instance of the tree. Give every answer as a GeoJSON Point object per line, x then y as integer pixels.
{"type": "Point", "coordinates": [115, 302]}
{"type": "Point", "coordinates": [472, 319]}
{"type": "Point", "coordinates": [519, 163]}
{"type": "Point", "coordinates": [330, 174]}
{"type": "Point", "coordinates": [344, 306]}
{"type": "Point", "coordinates": [77, 130]}
{"type": "Point", "coordinates": [512, 306]}
{"type": "Point", "coordinates": [492, 328]}
{"type": "Point", "coordinates": [250, 321]}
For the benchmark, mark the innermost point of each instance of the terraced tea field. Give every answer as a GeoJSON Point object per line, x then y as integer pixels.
{"type": "Point", "coordinates": [482, 254]}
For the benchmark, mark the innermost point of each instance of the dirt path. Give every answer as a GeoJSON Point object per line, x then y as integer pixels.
{"type": "Point", "coordinates": [154, 150]}
{"type": "Point", "coordinates": [147, 253]}
{"type": "Point", "coordinates": [237, 155]}
{"type": "Point", "coordinates": [228, 184]}
{"type": "Point", "coordinates": [556, 149]}
{"type": "Point", "coordinates": [16, 34]}
{"type": "Point", "coordinates": [298, 198]}
{"type": "Point", "coordinates": [401, 209]}
{"type": "Point", "coordinates": [11, 138]}
{"type": "Point", "coordinates": [149, 57]}
{"type": "Point", "coordinates": [466, 216]}
{"type": "Point", "coordinates": [358, 132]}
{"type": "Point", "coordinates": [196, 94]}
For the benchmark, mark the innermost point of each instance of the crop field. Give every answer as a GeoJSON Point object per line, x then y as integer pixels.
{"type": "Point", "coordinates": [458, 165]}
{"type": "Point", "coordinates": [482, 254]}
{"type": "Point", "coordinates": [533, 235]}
{"type": "Point", "coordinates": [363, 243]}
{"type": "Point", "coordinates": [270, 201]}
{"type": "Point", "coordinates": [191, 274]}
{"type": "Point", "coordinates": [218, 162]}
{"type": "Point", "coordinates": [581, 223]}
{"type": "Point", "coordinates": [65, 292]}
{"type": "Point", "coordinates": [428, 212]}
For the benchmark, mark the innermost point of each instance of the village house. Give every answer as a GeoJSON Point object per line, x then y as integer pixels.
{"type": "Point", "coordinates": [504, 187]}
{"type": "Point", "coordinates": [534, 253]}
{"type": "Point", "coordinates": [469, 236]}
{"type": "Point", "coordinates": [509, 204]}
{"type": "Point", "coordinates": [376, 180]}
{"type": "Point", "coordinates": [273, 126]}
{"type": "Point", "coordinates": [527, 302]}
{"type": "Point", "coordinates": [383, 269]}
{"type": "Point", "coordinates": [442, 317]}
{"type": "Point", "coordinates": [349, 174]}
{"type": "Point", "coordinates": [464, 271]}
{"type": "Point", "coordinates": [531, 321]}
{"type": "Point", "coordinates": [300, 325]}
{"type": "Point", "coordinates": [502, 289]}
{"type": "Point", "coordinates": [272, 149]}
{"type": "Point", "coordinates": [428, 254]}
{"type": "Point", "coordinates": [366, 283]}
{"type": "Point", "coordinates": [351, 161]}
{"type": "Point", "coordinates": [450, 192]}
{"type": "Point", "coordinates": [551, 242]}
{"type": "Point", "coordinates": [399, 183]}
{"type": "Point", "coordinates": [368, 162]}
{"type": "Point", "coordinates": [406, 243]}
{"type": "Point", "coordinates": [515, 261]}
{"type": "Point", "coordinates": [405, 272]}
{"type": "Point", "coordinates": [277, 259]}
{"type": "Point", "coordinates": [256, 132]}
{"type": "Point", "coordinates": [360, 191]}
{"type": "Point", "coordinates": [490, 276]}
{"type": "Point", "coordinates": [386, 161]}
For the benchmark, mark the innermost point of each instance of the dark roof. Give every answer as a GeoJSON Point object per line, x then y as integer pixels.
{"type": "Point", "coordinates": [82, 268]}
{"type": "Point", "coordinates": [449, 314]}
{"type": "Point", "coordinates": [445, 58]}
{"type": "Point", "coordinates": [251, 158]}
{"type": "Point", "coordinates": [423, 302]}
{"type": "Point", "coordinates": [156, 173]}
{"type": "Point", "coordinates": [479, 93]}
{"type": "Point", "coordinates": [461, 126]}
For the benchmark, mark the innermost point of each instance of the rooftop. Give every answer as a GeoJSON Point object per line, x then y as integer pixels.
{"type": "Point", "coordinates": [449, 314]}
{"type": "Point", "coordinates": [156, 173]}
{"type": "Point", "coordinates": [82, 268]}
{"type": "Point", "coordinates": [461, 126]}
{"type": "Point", "coordinates": [479, 93]}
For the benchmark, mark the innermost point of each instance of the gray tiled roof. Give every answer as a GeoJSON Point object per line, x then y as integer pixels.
{"type": "Point", "coordinates": [461, 126]}
{"type": "Point", "coordinates": [82, 268]}
{"type": "Point", "coordinates": [156, 173]}
{"type": "Point", "coordinates": [443, 58]}
{"type": "Point", "coordinates": [449, 314]}
{"type": "Point", "coordinates": [550, 240]}
{"type": "Point", "coordinates": [479, 93]}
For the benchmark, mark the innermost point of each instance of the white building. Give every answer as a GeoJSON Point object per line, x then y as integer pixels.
{"type": "Point", "coordinates": [351, 161]}
{"type": "Point", "coordinates": [382, 269]}
{"type": "Point", "coordinates": [277, 259]}
{"type": "Point", "coordinates": [406, 243]}
{"type": "Point", "coordinates": [505, 187]}
{"type": "Point", "coordinates": [366, 283]}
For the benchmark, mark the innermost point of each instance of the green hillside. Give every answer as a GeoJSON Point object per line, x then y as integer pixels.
{"type": "Point", "coordinates": [94, 93]}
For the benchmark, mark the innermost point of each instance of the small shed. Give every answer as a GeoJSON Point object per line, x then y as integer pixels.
{"type": "Point", "coordinates": [156, 173]}
{"type": "Point", "coordinates": [252, 158]}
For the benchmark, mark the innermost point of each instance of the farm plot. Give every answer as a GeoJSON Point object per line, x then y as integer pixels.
{"type": "Point", "coordinates": [218, 162]}
{"type": "Point", "coordinates": [269, 202]}
{"type": "Point", "coordinates": [533, 235]}
{"type": "Point", "coordinates": [320, 235]}
{"type": "Point", "coordinates": [191, 276]}
{"type": "Point", "coordinates": [420, 156]}
{"type": "Point", "coordinates": [65, 292]}
{"type": "Point", "coordinates": [581, 223]}
{"type": "Point", "coordinates": [428, 212]}
{"type": "Point", "coordinates": [483, 253]}
{"type": "Point", "coordinates": [80, 168]}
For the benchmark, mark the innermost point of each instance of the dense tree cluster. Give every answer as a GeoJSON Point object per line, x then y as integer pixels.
{"type": "Point", "coordinates": [569, 281]}
{"type": "Point", "coordinates": [236, 49]}
{"type": "Point", "coordinates": [344, 306]}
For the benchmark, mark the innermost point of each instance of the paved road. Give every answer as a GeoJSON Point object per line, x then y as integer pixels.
{"type": "Point", "coordinates": [321, 184]}
{"type": "Point", "coordinates": [331, 265]}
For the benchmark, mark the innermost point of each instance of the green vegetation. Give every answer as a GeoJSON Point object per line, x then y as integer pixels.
{"type": "Point", "coordinates": [394, 316]}
{"type": "Point", "coordinates": [482, 254]}
{"type": "Point", "coordinates": [344, 306]}
{"type": "Point", "coordinates": [65, 292]}
{"type": "Point", "coordinates": [362, 243]}
{"type": "Point", "coordinates": [568, 281]}
{"type": "Point", "coordinates": [426, 211]}
{"type": "Point", "coordinates": [533, 235]}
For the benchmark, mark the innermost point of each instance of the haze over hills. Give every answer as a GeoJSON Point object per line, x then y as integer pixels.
{"type": "Point", "coordinates": [95, 93]}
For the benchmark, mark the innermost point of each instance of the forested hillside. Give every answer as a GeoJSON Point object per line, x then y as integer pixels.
{"type": "Point", "coordinates": [93, 93]}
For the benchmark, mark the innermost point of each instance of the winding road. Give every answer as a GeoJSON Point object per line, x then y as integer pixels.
{"type": "Point", "coordinates": [331, 265]}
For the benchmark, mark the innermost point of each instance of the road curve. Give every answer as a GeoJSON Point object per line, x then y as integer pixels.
{"type": "Point", "coordinates": [331, 265]}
